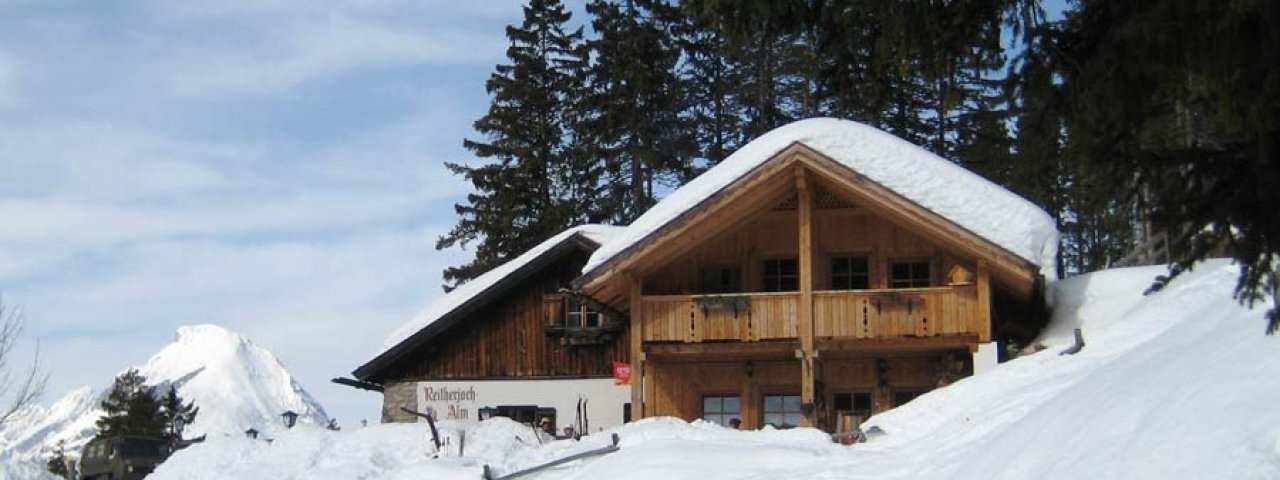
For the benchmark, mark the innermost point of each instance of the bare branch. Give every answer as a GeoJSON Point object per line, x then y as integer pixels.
{"type": "Point", "coordinates": [26, 387]}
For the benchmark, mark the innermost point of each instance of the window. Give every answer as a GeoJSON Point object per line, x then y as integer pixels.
{"type": "Point", "coordinates": [722, 410]}
{"type": "Point", "coordinates": [579, 313]}
{"type": "Point", "coordinates": [721, 280]}
{"type": "Point", "coordinates": [901, 397]}
{"type": "Point", "coordinates": [782, 411]}
{"type": "Point", "coordinates": [781, 275]}
{"type": "Point", "coordinates": [851, 410]}
{"type": "Point", "coordinates": [909, 274]}
{"type": "Point", "coordinates": [850, 273]}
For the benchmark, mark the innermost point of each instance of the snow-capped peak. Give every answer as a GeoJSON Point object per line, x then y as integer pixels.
{"type": "Point", "coordinates": [236, 384]}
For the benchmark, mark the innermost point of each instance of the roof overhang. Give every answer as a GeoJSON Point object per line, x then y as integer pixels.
{"type": "Point", "coordinates": [756, 189]}
{"type": "Point", "coordinates": [370, 372]}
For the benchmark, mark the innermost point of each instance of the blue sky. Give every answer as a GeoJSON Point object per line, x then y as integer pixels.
{"type": "Point", "coordinates": [273, 167]}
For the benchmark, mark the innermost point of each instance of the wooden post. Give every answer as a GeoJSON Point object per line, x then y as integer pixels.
{"type": "Point", "coordinates": [637, 347]}
{"type": "Point", "coordinates": [984, 302]}
{"type": "Point", "coordinates": [804, 327]}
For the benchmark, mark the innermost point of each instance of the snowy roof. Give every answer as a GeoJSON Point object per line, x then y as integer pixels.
{"type": "Point", "coordinates": [941, 186]}
{"type": "Point", "coordinates": [598, 234]}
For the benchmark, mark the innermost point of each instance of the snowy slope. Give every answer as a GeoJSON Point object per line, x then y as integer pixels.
{"type": "Point", "coordinates": [1178, 384]}
{"type": "Point", "coordinates": [913, 172]}
{"type": "Point", "coordinates": [236, 384]}
{"type": "Point", "coordinates": [599, 234]}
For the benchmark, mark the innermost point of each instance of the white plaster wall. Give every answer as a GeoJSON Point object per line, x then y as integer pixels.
{"type": "Point", "coordinates": [604, 399]}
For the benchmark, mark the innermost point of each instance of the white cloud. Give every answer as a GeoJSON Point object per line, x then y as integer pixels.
{"type": "Point", "coordinates": [322, 307]}
{"type": "Point", "coordinates": [326, 44]}
{"type": "Point", "coordinates": [272, 166]}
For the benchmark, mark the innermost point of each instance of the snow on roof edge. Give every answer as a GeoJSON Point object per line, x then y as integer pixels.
{"type": "Point", "coordinates": [969, 200]}
{"type": "Point", "coordinates": [600, 234]}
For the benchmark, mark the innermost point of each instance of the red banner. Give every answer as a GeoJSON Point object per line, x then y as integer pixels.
{"type": "Point", "coordinates": [621, 373]}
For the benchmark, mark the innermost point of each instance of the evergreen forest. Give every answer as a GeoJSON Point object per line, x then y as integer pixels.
{"type": "Point", "coordinates": [1142, 127]}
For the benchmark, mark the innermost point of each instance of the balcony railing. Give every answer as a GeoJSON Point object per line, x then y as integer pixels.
{"type": "Point", "coordinates": [871, 314]}
{"type": "Point", "coordinates": [895, 313]}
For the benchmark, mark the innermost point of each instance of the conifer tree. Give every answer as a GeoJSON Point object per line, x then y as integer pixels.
{"type": "Point", "coordinates": [632, 109]}
{"type": "Point", "coordinates": [1177, 102]}
{"type": "Point", "coordinates": [176, 414]}
{"type": "Point", "coordinates": [131, 408]}
{"type": "Point", "coordinates": [710, 75]}
{"type": "Point", "coordinates": [522, 193]}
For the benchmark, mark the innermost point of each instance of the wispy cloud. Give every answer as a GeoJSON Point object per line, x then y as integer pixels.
{"type": "Point", "coordinates": [275, 167]}
{"type": "Point", "coordinates": [326, 41]}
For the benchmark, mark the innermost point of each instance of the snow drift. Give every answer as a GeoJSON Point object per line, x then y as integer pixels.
{"type": "Point", "coordinates": [236, 384]}
{"type": "Point", "coordinates": [1177, 384]}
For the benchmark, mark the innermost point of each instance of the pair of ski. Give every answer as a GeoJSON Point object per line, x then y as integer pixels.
{"type": "Point", "coordinates": [580, 419]}
{"type": "Point", "coordinates": [490, 474]}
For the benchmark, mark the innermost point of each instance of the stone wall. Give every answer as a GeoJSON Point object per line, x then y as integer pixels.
{"type": "Point", "coordinates": [397, 395]}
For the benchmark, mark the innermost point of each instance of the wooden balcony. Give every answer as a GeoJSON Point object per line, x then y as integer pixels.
{"type": "Point", "coordinates": [896, 313]}
{"type": "Point", "coordinates": [839, 314]}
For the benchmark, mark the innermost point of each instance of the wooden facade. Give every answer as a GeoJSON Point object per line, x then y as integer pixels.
{"type": "Point", "coordinates": [518, 334]}
{"type": "Point", "coordinates": [805, 285]}
{"type": "Point", "coordinates": [801, 294]}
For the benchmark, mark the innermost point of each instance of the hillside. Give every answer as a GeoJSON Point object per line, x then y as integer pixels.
{"type": "Point", "coordinates": [1177, 384]}
{"type": "Point", "coordinates": [235, 383]}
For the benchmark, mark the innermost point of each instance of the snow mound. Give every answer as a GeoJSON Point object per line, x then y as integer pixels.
{"type": "Point", "coordinates": [236, 384]}
{"type": "Point", "coordinates": [959, 195]}
{"type": "Point", "coordinates": [395, 451]}
{"type": "Point", "coordinates": [1177, 384]}
{"type": "Point", "coordinates": [599, 234]}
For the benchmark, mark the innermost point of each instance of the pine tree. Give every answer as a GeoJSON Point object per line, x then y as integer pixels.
{"type": "Point", "coordinates": [633, 104]}
{"type": "Point", "coordinates": [57, 463]}
{"type": "Point", "coordinates": [1177, 102]}
{"type": "Point", "coordinates": [523, 195]}
{"type": "Point", "coordinates": [176, 414]}
{"type": "Point", "coordinates": [131, 408]}
{"type": "Point", "coordinates": [710, 75]}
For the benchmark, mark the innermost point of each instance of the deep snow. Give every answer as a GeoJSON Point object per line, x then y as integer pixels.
{"type": "Point", "coordinates": [943, 187]}
{"type": "Point", "coordinates": [1178, 384]}
{"type": "Point", "coordinates": [237, 384]}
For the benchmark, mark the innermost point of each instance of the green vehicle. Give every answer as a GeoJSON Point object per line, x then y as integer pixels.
{"type": "Point", "coordinates": [121, 457]}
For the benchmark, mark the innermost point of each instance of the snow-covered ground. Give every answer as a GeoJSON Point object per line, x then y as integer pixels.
{"type": "Point", "coordinates": [237, 384]}
{"type": "Point", "coordinates": [1178, 384]}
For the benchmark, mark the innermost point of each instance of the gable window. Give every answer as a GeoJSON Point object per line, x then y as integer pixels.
{"type": "Point", "coordinates": [909, 274]}
{"type": "Point", "coordinates": [579, 313]}
{"type": "Point", "coordinates": [850, 273]}
{"type": "Point", "coordinates": [781, 275]}
{"type": "Point", "coordinates": [721, 280]}
{"type": "Point", "coordinates": [782, 411]}
{"type": "Point", "coordinates": [722, 409]}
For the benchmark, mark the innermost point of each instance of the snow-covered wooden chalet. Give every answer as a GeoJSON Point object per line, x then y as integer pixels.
{"type": "Point", "coordinates": [824, 272]}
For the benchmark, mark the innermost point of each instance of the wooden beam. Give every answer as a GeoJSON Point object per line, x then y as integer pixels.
{"type": "Point", "coordinates": [984, 302]}
{"type": "Point", "coordinates": [1015, 272]}
{"type": "Point", "coordinates": [877, 347]}
{"type": "Point", "coordinates": [721, 351]}
{"type": "Point", "coordinates": [637, 350]}
{"type": "Point", "coordinates": [747, 194]}
{"type": "Point", "coordinates": [804, 324]}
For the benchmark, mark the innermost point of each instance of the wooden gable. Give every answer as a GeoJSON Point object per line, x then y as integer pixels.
{"type": "Point", "coordinates": [769, 186]}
